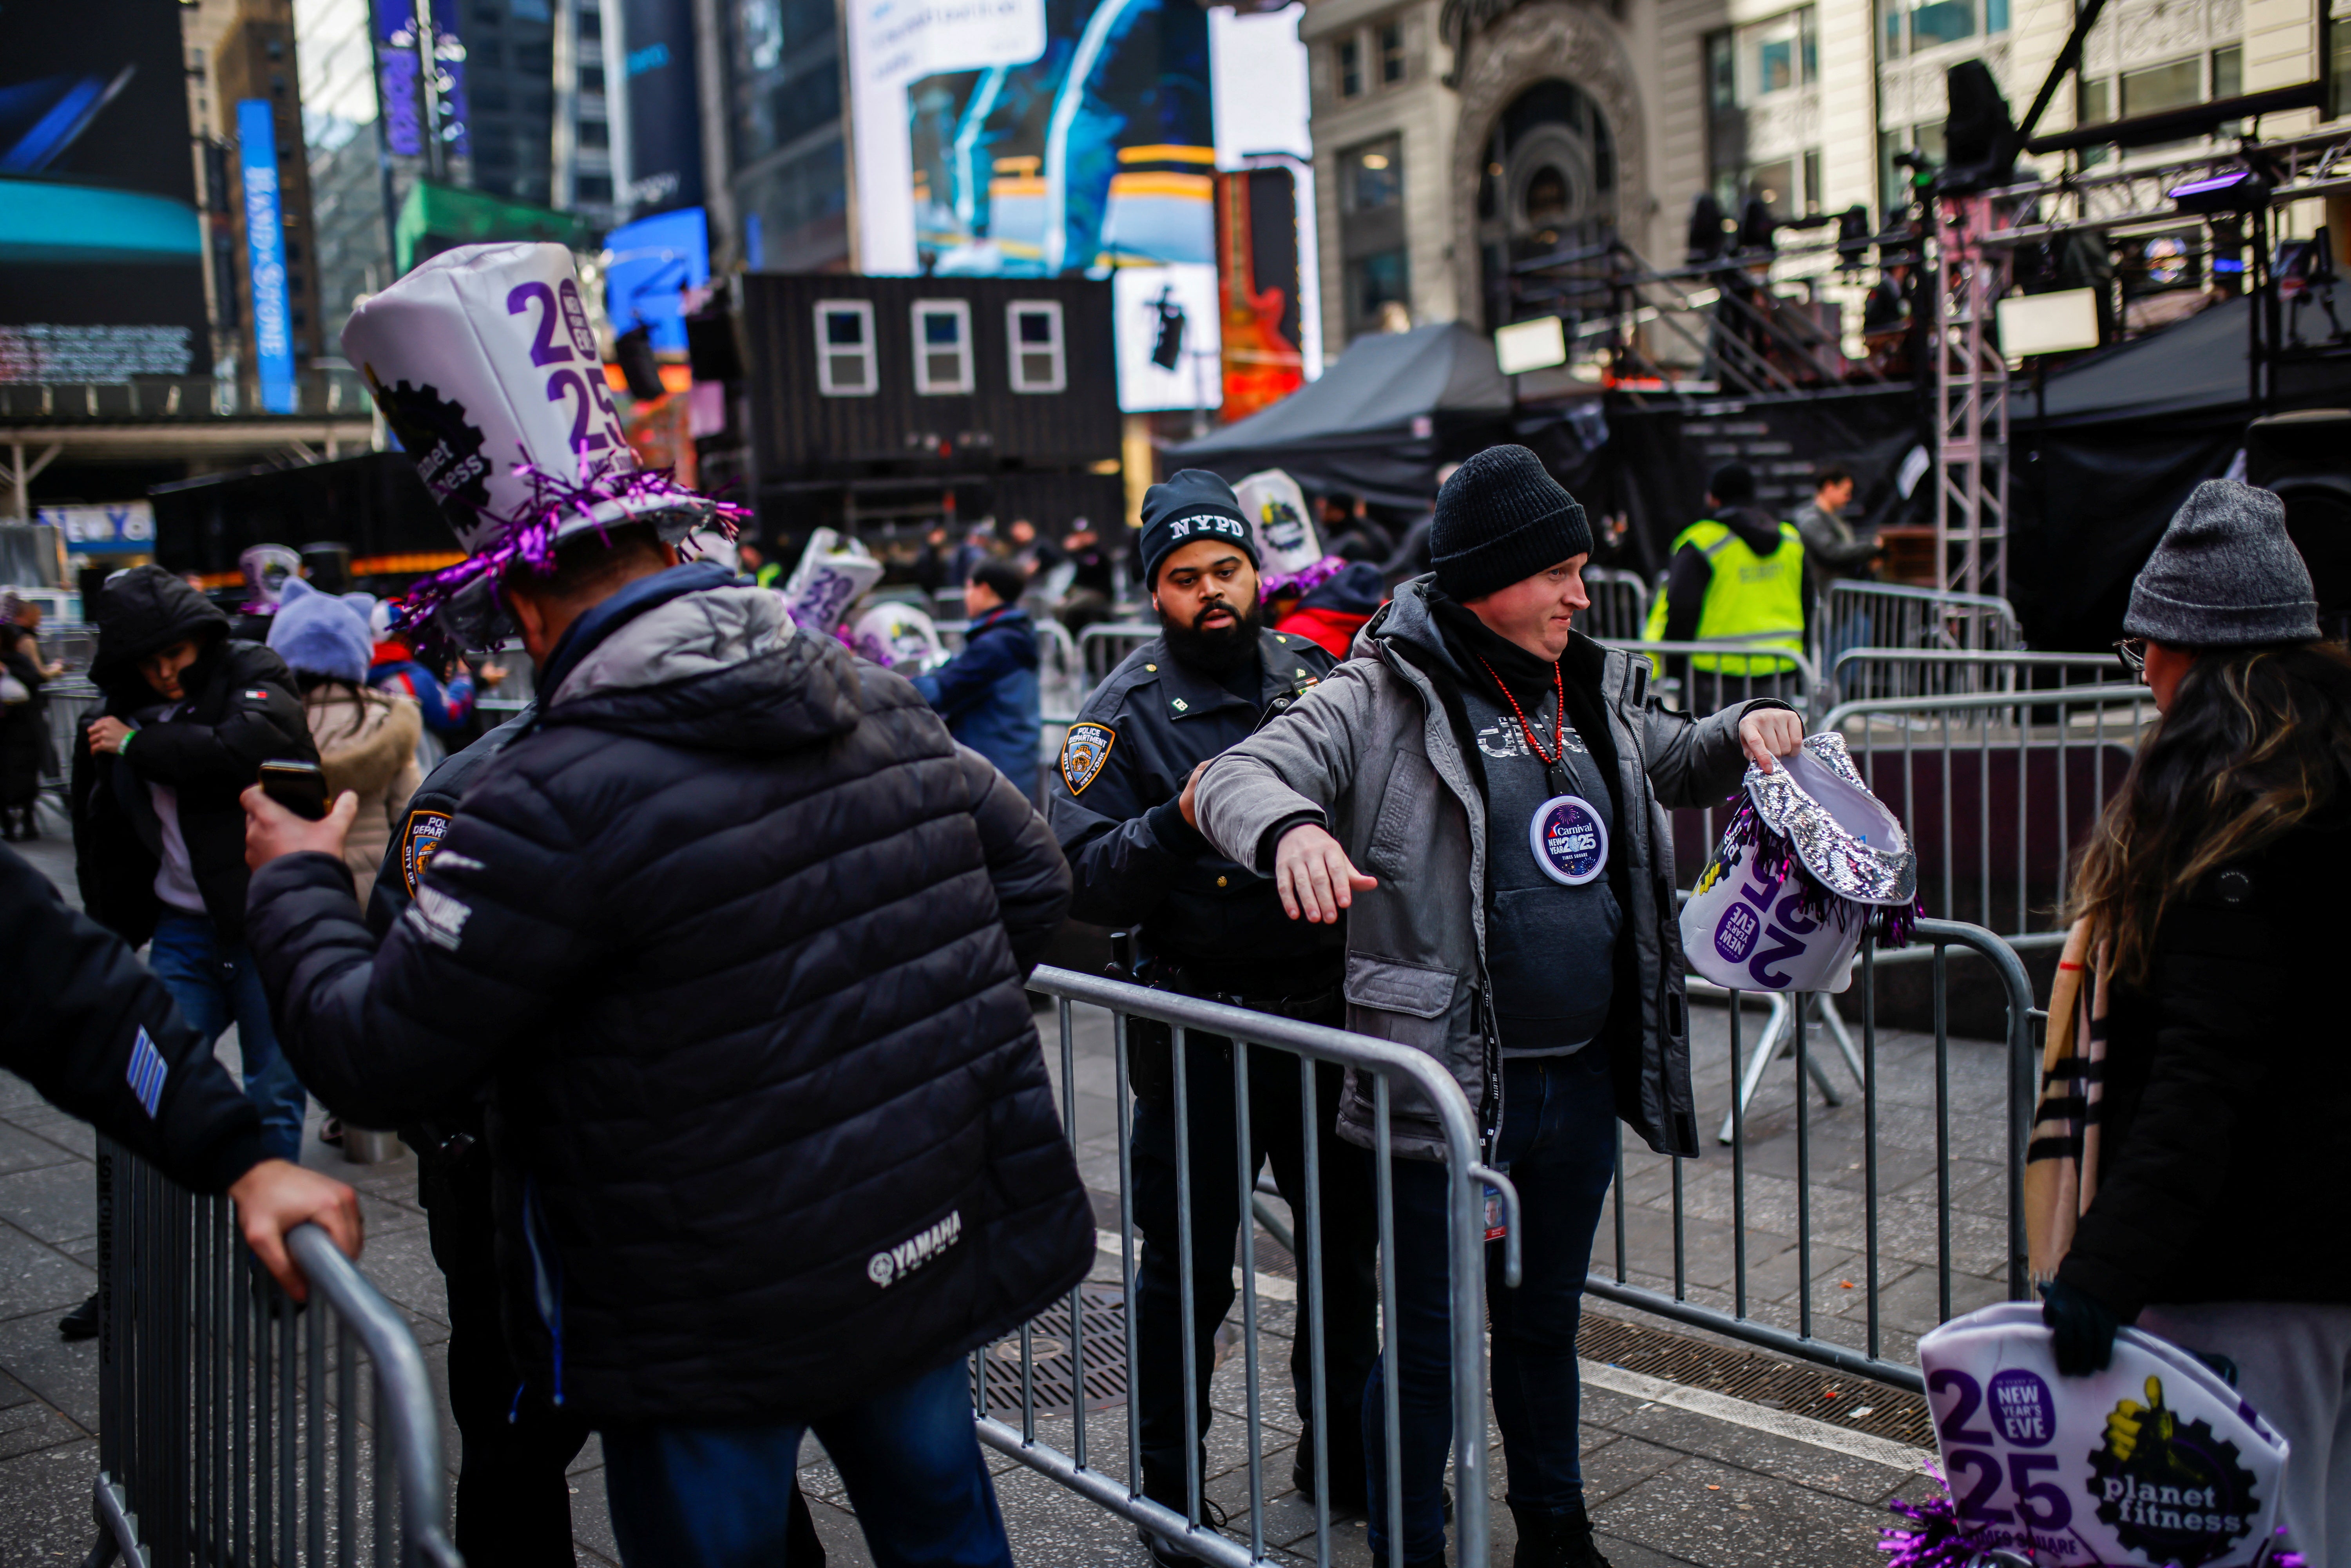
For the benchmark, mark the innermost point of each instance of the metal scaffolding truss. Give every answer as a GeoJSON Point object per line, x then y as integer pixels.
{"type": "Point", "coordinates": [1966, 280]}
{"type": "Point", "coordinates": [2310, 166]}
{"type": "Point", "coordinates": [1969, 267]}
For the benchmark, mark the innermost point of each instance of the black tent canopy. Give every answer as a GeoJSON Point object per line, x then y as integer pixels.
{"type": "Point", "coordinates": [2106, 450]}
{"type": "Point", "coordinates": [1379, 423]}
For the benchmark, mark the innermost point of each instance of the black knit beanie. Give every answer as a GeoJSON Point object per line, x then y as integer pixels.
{"type": "Point", "coordinates": [1733, 485]}
{"type": "Point", "coordinates": [1499, 520]}
{"type": "Point", "coordinates": [1187, 506]}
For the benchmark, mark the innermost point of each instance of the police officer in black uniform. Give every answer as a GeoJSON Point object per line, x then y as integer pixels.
{"type": "Point", "coordinates": [1209, 927]}
{"type": "Point", "coordinates": [513, 1503]}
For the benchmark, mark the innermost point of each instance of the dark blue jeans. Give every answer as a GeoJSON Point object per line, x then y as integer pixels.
{"type": "Point", "coordinates": [1559, 1147]}
{"type": "Point", "coordinates": [215, 984]}
{"type": "Point", "coordinates": [1350, 1248]}
{"type": "Point", "coordinates": [716, 1497]}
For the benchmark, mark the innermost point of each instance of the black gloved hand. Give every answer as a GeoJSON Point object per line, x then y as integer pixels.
{"type": "Point", "coordinates": [2084, 1327]}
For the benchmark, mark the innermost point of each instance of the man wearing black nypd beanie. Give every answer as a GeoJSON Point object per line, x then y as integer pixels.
{"type": "Point", "coordinates": [1195, 507]}
{"type": "Point", "coordinates": [1513, 916]}
{"type": "Point", "coordinates": [1206, 924]}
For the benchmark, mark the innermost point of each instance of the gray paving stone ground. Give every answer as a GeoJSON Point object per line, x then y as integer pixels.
{"type": "Point", "coordinates": [1668, 1487]}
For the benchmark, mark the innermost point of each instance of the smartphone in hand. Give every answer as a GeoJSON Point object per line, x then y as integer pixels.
{"type": "Point", "coordinates": [299, 787]}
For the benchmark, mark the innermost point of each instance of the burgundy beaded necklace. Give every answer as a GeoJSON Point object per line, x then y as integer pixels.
{"type": "Point", "coordinates": [1558, 717]}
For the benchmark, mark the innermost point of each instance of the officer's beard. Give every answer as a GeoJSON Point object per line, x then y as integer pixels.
{"type": "Point", "coordinates": [1215, 651]}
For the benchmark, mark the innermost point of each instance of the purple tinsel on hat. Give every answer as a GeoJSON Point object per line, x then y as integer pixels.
{"type": "Point", "coordinates": [1309, 579]}
{"type": "Point", "coordinates": [1942, 1540]}
{"type": "Point", "coordinates": [530, 534]}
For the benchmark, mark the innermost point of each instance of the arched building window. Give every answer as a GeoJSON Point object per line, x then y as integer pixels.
{"type": "Point", "coordinates": [1549, 185]}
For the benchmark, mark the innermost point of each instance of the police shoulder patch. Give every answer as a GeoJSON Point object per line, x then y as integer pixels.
{"type": "Point", "coordinates": [1083, 754]}
{"type": "Point", "coordinates": [418, 840]}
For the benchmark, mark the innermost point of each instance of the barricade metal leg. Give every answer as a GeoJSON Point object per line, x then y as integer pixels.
{"type": "Point", "coordinates": [1779, 1041]}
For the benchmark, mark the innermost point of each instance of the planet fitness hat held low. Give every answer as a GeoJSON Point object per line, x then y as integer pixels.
{"type": "Point", "coordinates": [1808, 860]}
{"type": "Point", "coordinates": [485, 365]}
{"type": "Point", "coordinates": [2154, 1461]}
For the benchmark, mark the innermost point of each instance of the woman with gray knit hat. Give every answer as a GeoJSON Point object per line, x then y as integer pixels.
{"type": "Point", "coordinates": [2210, 1195]}
{"type": "Point", "coordinates": [1502, 780]}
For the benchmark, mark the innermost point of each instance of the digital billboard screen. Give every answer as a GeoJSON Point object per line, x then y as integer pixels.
{"type": "Point", "coordinates": [665, 108]}
{"type": "Point", "coordinates": [101, 249]}
{"type": "Point", "coordinates": [1041, 138]}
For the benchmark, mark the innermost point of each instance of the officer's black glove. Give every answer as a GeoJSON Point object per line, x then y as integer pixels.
{"type": "Point", "coordinates": [2084, 1327]}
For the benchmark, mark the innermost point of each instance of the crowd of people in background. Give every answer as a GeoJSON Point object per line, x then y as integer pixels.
{"type": "Point", "coordinates": [526, 927]}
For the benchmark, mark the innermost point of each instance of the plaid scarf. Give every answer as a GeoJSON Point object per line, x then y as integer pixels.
{"type": "Point", "coordinates": [2061, 1162]}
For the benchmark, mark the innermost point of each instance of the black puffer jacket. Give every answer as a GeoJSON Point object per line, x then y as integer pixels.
{"type": "Point", "coordinates": [739, 935]}
{"type": "Point", "coordinates": [242, 709]}
{"type": "Point", "coordinates": [2225, 1144]}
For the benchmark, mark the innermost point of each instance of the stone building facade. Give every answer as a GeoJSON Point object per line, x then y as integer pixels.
{"type": "Point", "coordinates": [1454, 137]}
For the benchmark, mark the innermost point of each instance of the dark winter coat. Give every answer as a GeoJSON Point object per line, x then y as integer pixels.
{"type": "Point", "coordinates": [242, 709]}
{"type": "Point", "coordinates": [987, 693]}
{"type": "Point", "coordinates": [23, 730]}
{"type": "Point", "coordinates": [1115, 804]}
{"type": "Point", "coordinates": [86, 1024]}
{"type": "Point", "coordinates": [2224, 1170]}
{"type": "Point", "coordinates": [738, 933]}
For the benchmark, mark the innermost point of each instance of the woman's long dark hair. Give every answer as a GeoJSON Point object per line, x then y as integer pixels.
{"type": "Point", "coordinates": [2257, 741]}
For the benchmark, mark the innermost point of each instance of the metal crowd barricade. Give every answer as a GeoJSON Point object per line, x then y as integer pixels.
{"type": "Point", "coordinates": [1103, 644]}
{"type": "Point", "coordinates": [1863, 674]}
{"type": "Point", "coordinates": [1934, 942]}
{"type": "Point", "coordinates": [1890, 616]}
{"type": "Point", "coordinates": [1620, 604]}
{"type": "Point", "coordinates": [1998, 791]}
{"type": "Point", "coordinates": [1062, 680]}
{"type": "Point", "coordinates": [235, 1428]}
{"type": "Point", "coordinates": [1744, 668]}
{"type": "Point", "coordinates": [1386, 1066]}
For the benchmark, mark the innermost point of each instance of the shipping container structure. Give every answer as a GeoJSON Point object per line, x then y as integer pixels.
{"type": "Point", "coordinates": [887, 406]}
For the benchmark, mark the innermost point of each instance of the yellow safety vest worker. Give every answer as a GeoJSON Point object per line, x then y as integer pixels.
{"type": "Point", "coordinates": [1751, 598]}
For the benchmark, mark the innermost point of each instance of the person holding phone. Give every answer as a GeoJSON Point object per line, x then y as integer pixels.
{"type": "Point", "coordinates": [189, 714]}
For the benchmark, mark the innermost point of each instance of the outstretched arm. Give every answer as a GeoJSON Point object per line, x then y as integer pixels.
{"type": "Point", "coordinates": [1296, 770]}
{"type": "Point", "coordinates": [97, 1034]}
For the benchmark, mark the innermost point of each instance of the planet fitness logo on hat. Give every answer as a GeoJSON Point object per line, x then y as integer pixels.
{"type": "Point", "coordinates": [2173, 1489]}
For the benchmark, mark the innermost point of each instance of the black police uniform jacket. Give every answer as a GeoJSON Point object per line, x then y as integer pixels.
{"type": "Point", "coordinates": [242, 710]}
{"type": "Point", "coordinates": [91, 1029]}
{"type": "Point", "coordinates": [1113, 806]}
{"type": "Point", "coordinates": [738, 934]}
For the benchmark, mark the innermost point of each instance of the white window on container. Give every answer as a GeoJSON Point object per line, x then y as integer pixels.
{"type": "Point", "coordinates": [1040, 362]}
{"type": "Point", "coordinates": [845, 359]}
{"type": "Point", "coordinates": [943, 347]}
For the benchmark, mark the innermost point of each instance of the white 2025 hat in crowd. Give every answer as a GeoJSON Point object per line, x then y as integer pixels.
{"type": "Point", "coordinates": [485, 367]}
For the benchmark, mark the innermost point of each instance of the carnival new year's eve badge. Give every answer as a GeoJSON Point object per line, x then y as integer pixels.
{"type": "Point", "coordinates": [1083, 754]}
{"type": "Point", "coordinates": [1570, 840]}
{"type": "Point", "coordinates": [2153, 1463]}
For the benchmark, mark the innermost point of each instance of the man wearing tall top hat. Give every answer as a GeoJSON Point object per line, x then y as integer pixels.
{"type": "Point", "coordinates": [734, 935]}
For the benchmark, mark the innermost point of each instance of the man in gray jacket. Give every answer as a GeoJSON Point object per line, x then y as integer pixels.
{"type": "Point", "coordinates": [1501, 783]}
